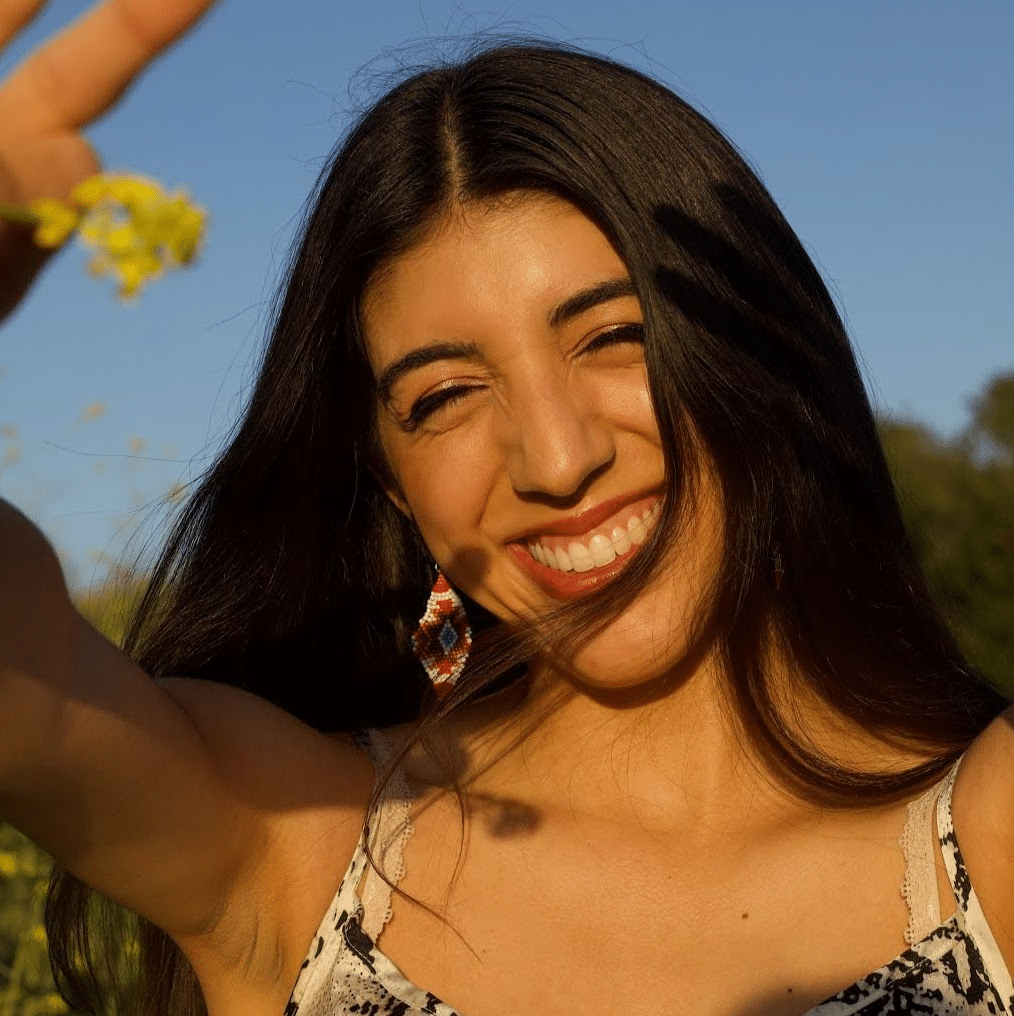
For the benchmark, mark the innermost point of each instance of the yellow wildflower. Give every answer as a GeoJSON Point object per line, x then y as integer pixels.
{"type": "Point", "coordinates": [93, 411]}
{"type": "Point", "coordinates": [135, 229]}
{"type": "Point", "coordinates": [89, 192]}
{"type": "Point", "coordinates": [51, 1005]}
{"type": "Point", "coordinates": [57, 220]}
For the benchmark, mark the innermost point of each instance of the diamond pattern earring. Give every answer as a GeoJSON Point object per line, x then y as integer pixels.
{"type": "Point", "coordinates": [443, 638]}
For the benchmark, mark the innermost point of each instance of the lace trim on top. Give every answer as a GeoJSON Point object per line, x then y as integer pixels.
{"type": "Point", "coordinates": [387, 839]}
{"type": "Point", "coordinates": [918, 842]}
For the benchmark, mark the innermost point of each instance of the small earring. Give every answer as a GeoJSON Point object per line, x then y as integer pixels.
{"type": "Point", "coordinates": [443, 637]}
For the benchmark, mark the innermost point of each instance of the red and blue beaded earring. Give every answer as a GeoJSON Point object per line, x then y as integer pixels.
{"type": "Point", "coordinates": [443, 638]}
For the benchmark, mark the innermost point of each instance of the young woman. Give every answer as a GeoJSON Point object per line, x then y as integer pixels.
{"type": "Point", "coordinates": [547, 340]}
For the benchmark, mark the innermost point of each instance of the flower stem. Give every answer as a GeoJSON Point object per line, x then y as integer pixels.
{"type": "Point", "coordinates": [18, 213]}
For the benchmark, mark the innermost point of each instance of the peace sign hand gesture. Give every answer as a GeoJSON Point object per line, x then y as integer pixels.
{"type": "Point", "coordinates": [57, 91]}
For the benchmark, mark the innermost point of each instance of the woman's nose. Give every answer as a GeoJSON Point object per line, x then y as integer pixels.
{"type": "Point", "coordinates": [555, 440]}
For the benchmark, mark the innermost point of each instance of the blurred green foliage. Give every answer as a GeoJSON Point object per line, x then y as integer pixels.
{"type": "Point", "coordinates": [26, 985]}
{"type": "Point", "coordinates": [958, 497]}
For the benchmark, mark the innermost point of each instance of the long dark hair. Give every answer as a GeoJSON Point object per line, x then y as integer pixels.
{"type": "Point", "coordinates": [290, 573]}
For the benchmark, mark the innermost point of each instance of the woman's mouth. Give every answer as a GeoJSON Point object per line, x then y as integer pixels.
{"type": "Point", "coordinates": [595, 551]}
{"type": "Point", "coordinates": [569, 565]}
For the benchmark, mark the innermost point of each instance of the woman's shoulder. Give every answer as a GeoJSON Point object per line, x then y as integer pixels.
{"type": "Point", "coordinates": [985, 782]}
{"type": "Point", "coordinates": [983, 812]}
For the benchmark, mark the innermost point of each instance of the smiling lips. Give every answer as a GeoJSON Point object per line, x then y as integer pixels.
{"type": "Point", "coordinates": [566, 561]}
{"type": "Point", "coordinates": [598, 550]}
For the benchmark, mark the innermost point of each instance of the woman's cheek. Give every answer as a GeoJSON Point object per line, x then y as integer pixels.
{"type": "Point", "coordinates": [626, 398]}
{"type": "Point", "coordinates": [447, 486]}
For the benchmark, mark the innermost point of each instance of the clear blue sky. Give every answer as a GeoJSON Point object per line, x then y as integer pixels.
{"type": "Point", "coordinates": [882, 127]}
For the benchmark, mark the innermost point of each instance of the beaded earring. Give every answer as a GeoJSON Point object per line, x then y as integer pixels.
{"type": "Point", "coordinates": [443, 637]}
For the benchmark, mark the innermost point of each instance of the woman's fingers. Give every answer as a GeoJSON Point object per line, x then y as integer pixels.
{"type": "Point", "coordinates": [81, 72]}
{"type": "Point", "coordinates": [16, 15]}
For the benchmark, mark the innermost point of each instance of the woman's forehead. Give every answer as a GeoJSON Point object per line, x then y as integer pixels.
{"type": "Point", "coordinates": [502, 263]}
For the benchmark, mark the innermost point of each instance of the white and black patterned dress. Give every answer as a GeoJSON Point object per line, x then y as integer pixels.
{"type": "Point", "coordinates": [954, 967]}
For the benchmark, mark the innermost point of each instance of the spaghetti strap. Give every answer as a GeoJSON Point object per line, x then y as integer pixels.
{"type": "Point", "coordinates": [387, 831]}
{"type": "Point", "coordinates": [970, 916]}
{"type": "Point", "coordinates": [918, 843]}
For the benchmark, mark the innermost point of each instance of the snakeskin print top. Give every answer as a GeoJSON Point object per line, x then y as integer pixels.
{"type": "Point", "coordinates": [954, 967]}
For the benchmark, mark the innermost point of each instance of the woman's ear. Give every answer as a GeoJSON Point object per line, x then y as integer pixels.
{"type": "Point", "coordinates": [398, 500]}
{"type": "Point", "coordinates": [381, 470]}
{"type": "Point", "coordinates": [390, 486]}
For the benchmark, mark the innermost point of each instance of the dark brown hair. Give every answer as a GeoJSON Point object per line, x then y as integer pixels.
{"type": "Point", "coordinates": [290, 573]}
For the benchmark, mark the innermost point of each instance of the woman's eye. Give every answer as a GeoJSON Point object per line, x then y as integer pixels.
{"type": "Point", "coordinates": [615, 336]}
{"type": "Point", "coordinates": [426, 406]}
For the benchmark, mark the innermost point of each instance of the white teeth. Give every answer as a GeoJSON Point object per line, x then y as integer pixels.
{"type": "Point", "coordinates": [637, 529]}
{"type": "Point", "coordinates": [601, 550]}
{"type": "Point", "coordinates": [580, 557]}
{"type": "Point", "coordinates": [621, 540]}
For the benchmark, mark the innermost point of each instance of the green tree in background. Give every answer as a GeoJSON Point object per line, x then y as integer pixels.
{"type": "Point", "coordinates": [958, 498]}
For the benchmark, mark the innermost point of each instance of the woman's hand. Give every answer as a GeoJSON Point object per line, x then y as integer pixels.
{"type": "Point", "coordinates": [56, 92]}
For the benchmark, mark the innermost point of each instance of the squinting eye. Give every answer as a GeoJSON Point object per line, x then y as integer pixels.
{"type": "Point", "coordinates": [614, 336]}
{"type": "Point", "coordinates": [429, 404]}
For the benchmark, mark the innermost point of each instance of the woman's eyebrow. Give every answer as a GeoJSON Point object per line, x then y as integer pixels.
{"type": "Point", "coordinates": [420, 358]}
{"type": "Point", "coordinates": [584, 300]}
{"type": "Point", "coordinates": [601, 292]}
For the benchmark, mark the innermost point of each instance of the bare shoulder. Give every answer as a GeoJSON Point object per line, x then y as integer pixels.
{"type": "Point", "coordinates": [310, 792]}
{"type": "Point", "coordinates": [986, 777]}
{"type": "Point", "coordinates": [284, 763]}
{"type": "Point", "coordinates": [983, 809]}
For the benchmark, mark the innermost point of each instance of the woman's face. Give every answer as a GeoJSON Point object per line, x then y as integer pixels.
{"type": "Point", "coordinates": [516, 419]}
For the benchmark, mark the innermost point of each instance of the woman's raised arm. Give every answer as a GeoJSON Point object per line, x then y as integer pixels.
{"type": "Point", "coordinates": [189, 802]}
{"type": "Point", "coordinates": [55, 93]}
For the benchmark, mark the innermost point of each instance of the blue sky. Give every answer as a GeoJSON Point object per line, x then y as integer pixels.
{"type": "Point", "coordinates": [882, 128]}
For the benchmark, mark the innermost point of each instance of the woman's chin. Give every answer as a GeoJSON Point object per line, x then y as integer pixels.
{"type": "Point", "coordinates": [630, 654]}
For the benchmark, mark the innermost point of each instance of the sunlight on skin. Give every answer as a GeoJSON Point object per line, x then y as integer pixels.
{"type": "Point", "coordinates": [534, 425]}
{"type": "Point", "coordinates": [558, 415]}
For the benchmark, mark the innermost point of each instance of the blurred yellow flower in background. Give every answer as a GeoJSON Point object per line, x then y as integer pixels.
{"type": "Point", "coordinates": [92, 411]}
{"type": "Point", "coordinates": [134, 228]}
{"type": "Point", "coordinates": [57, 220]}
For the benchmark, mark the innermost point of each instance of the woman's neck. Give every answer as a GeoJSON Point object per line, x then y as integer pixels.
{"type": "Point", "coordinates": [668, 764]}
{"type": "Point", "coordinates": [673, 763]}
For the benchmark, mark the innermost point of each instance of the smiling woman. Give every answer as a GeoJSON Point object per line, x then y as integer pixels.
{"type": "Point", "coordinates": [548, 348]}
